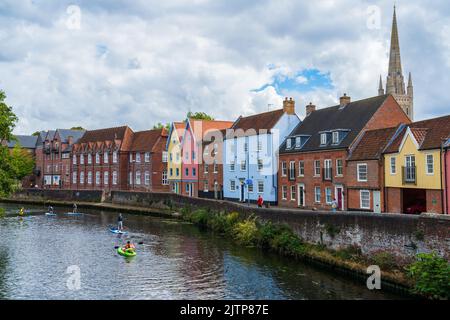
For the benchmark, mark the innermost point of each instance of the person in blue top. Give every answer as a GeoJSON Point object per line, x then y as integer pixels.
{"type": "Point", "coordinates": [120, 222]}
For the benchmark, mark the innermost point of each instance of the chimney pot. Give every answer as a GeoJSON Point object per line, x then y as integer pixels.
{"type": "Point", "coordinates": [289, 106]}
{"type": "Point", "coordinates": [344, 100]}
{"type": "Point", "coordinates": [310, 108]}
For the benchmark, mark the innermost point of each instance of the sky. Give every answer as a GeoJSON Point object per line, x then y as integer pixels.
{"type": "Point", "coordinates": [101, 64]}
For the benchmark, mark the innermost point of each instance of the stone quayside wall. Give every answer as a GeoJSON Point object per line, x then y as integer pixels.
{"type": "Point", "coordinates": [401, 235]}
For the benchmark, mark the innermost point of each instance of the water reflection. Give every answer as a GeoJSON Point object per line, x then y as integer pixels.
{"type": "Point", "coordinates": [175, 261]}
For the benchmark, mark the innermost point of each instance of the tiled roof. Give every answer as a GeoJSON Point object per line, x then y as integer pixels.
{"type": "Point", "coordinates": [201, 128]}
{"type": "Point", "coordinates": [146, 140]}
{"type": "Point", "coordinates": [180, 126]}
{"type": "Point", "coordinates": [372, 144]}
{"type": "Point", "coordinates": [352, 118]}
{"type": "Point", "coordinates": [124, 134]}
{"type": "Point", "coordinates": [260, 121]}
{"type": "Point", "coordinates": [430, 134]}
{"type": "Point", "coordinates": [28, 142]}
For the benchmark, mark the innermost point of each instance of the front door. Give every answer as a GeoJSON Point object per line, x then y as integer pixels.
{"type": "Point", "coordinates": [216, 195]}
{"type": "Point", "coordinates": [301, 195]}
{"type": "Point", "coordinates": [377, 201]}
{"type": "Point", "coordinates": [340, 197]}
{"type": "Point", "coordinates": [242, 193]}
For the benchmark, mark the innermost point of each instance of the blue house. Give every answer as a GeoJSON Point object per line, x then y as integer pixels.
{"type": "Point", "coordinates": [250, 154]}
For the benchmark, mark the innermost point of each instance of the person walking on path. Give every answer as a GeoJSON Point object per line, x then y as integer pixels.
{"type": "Point", "coordinates": [260, 201]}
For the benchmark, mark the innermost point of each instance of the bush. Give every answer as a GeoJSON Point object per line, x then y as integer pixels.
{"type": "Point", "coordinates": [200, 218]}
{"type": "Point", "coordinates": [431, 274]}
{"type": "Point", "coordinates": [287, 243]}
{"type": "Point", "coordinates": [352, 252]}
{"type": "Point", "coordinates": [384, 260]}
{"type": "Point", "coordinates": [246, 232]}
{"type": "Point", "coordinates": [2, 212]}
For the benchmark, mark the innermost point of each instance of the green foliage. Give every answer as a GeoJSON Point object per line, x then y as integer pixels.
{"type": "Point", "coordinates": [8, 120]}
{"type": "Point", "coordinates": [159, 125]}
{"type": "Point", "coordinates": [419, 235]}
{"type": "Point", "coordinates": [36, 134]}
{"type": "Point", "coordinates": [200, 218]}
{"type": "Point", "coordinates": [431, 274]}
{"type": "Point", "coordinates": [22, 162]}
{"type": "Point", "coordinates": [77, 128]}
{"type": "Point", "coordinates": [287, 243]}
{"type": "Point", "coordinates": [384, 260]}
{"type": "Point", "coordinates": [2, 212]}
{"type": "Point", "coordinates": [199, 116]}
{"type": "Point", "coordinates": [246, 232]}
{"type": "Point", "coordinates": [352, 252]}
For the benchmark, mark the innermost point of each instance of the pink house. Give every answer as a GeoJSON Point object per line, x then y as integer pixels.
{"type": "Point", "coordinates": [446, 176]}
{"type": "Point", "coordinates": [193, 154]}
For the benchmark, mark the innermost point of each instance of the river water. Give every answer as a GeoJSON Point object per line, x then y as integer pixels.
{"type": "Point", "coordinates": [42, 256]}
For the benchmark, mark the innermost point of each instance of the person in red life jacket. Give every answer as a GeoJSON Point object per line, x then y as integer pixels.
{"type": "Point", "coordinates": [129, 247]}
{"type": "Point", "coordinates": [260, 201]}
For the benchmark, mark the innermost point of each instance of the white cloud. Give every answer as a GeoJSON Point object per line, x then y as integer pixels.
{"type": "Point", "coordinates": [140, 63]}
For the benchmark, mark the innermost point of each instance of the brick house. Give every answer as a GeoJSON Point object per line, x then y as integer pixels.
{"type": "Point", "coordinates": [54, 157]}
{"type": "Point", "coordinates": [446, 175]}
{"type": "Point", "coordinates": [99, 160]}
{"type": "Point", "coordinates": [365, 170]}
{"type": "Point", "coordinates": [312, 161]}
{"type": "Point", "coordinates": [414, 177]}
{"type": "Point", "coordinates": [147, 166]}
{"type": "Point", "coordinates": [210, 170]}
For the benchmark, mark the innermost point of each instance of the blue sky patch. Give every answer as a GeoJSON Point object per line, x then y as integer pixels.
{"type": "Point", "coordinates": [303, 81]}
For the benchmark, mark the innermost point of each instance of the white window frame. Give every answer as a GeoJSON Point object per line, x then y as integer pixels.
{"type": "Point", "coordinates": [89, 158]}
{"type": "Point", "coordinates": [98, 178]}
{"type": "Point", "coordinates": [74, 159]}
{"type": "Point", "coordinates": [427, 163]}
{"type": "Point", "coordinates": [260, 164]}
{"type": "Point", "coordinates": [323, 139]}
{"type": "Point", "coordinates": [82, 177]}
{"type": "Point", "coordinates": [341, 167]}
{"type": "Point", "coordinates": [393, 165]}
{"type": "Point", "coordinates": [97, 158]}
{"type": "Point", "coordinates": [293, 193]}
{"type": "Point", "coordinates": [361, 199]}
{"type": "Point", "coordinates": [115, 157]}
{"type": "Point", "coordinates": [106, 178]}
{"type": "Point", "coordinates": [317, 195]}
{"type": "Point", "coordinates": [358, 172]}
{"type": "Point", "coordinates": [138, 178]}
{"type": "Point", "coordinates": [327, 166]}
{"type": "Point", "coordinates": [260, 184]}
{"type": "Point", "coordinates": [138, 157]}
{"type": "Point", "coordinates": [74, 177]}
{"type": "Point", "coordinates": [298, 142]}
{"type": "Point", "coordinates": [284, 192]}
{"type": "Point", "coordinates": [147, 178]}
{"type": "Point", "coordinates": [89, 179]}
{"type": "Point", "coordinates": [164, 157]}
{"type": "Point", "coordinates": [301, 168]}
{"type": "Point", "coordinates": [114, 178]}
{"type": "Point", "coordinates": [232, 185]}
{"type": "Point", "coordinates": [328, 192]}
{"type": "Point", "coordinates": [243, 165]}
{"type": "Point", "coordinates": [335, 137]}
{"type": "Point", "coordinates": [215, 167]}
{"type": "Point", "coordinates": [164, 181]}
{"type": "Point", "coordinates": [284, 169]}
{"type": "Point", "coordinates": [106, 157]}
{"type": "Point", "coordinates": [81, 159]}
{"type": "Point", "coordinates": [232, 166]}
{"type": "Point", "coordinates": [289, 143]}
{"type": "Point", "coordinates": [317, 165]}
{"type": "Point", "coordinates": [291, 170]}
{"type": "Point", "coordinates": [206, 166]}
{"type": "Point", "coordinates": [147, 157]}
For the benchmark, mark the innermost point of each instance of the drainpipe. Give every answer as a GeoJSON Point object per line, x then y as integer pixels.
{"type": "Point", "coordinates": [444, 182]}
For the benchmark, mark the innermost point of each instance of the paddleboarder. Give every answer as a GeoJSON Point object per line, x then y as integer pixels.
{"type": "Point", "coordinates": [120, 222]}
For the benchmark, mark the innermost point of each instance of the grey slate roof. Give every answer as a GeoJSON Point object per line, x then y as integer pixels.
{"type": "Point", "coordinates": [28, 142]}
{"type": "Point", "coordinates": [352, 117]}
{"type": "Point", "coordinates": [66, 133]}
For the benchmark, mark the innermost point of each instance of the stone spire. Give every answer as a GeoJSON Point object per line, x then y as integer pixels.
{"type": "Point", "coordinates": [380, 87]}
{"type": "Point", "coordinates": [395, 82]}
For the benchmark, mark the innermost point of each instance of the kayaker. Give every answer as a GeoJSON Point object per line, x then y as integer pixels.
{"type": "Point", "coordinates": [129, 246]}
{"type": "Point", "coordinates": [50, 209]}
{"type": "Point", "coordinates": [120, 222]}
{"type": "Point", "coordinates": [21, 211]}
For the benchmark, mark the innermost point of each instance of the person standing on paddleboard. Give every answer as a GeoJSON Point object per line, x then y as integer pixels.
{"type": "Point", "coordinates": [120, 222]}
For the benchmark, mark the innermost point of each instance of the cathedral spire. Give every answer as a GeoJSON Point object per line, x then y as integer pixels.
{"type": "Point", "coordinates": [395, 63]}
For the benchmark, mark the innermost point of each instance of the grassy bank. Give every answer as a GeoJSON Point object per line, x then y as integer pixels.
{"type": "Point", "coordinates": [428, 277]}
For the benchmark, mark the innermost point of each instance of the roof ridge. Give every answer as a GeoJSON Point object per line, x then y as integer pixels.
{"type": "Point", "coordinates": [261, 113]}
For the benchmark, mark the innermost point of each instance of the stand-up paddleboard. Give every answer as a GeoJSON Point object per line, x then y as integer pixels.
{"type": "Point", "coordinates": [117, 231]}
{"type": "Point", "coordinates": [50, 214]}
{"type": "Point", "coordinates": [74, 213]}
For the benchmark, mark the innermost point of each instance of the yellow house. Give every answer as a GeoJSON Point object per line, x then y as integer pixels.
{"type": "Point", "coordinates": [174, 153]}
{"type": "Point", "coordinates": [412, 168]}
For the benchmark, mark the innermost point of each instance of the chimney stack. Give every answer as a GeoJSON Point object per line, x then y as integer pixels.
{"type": "Point", "coordinates": [310, 108]}
{"type": "Point", "coordinates": [289, 106]}
{"type": "Point", "coordinates": [344, 100]}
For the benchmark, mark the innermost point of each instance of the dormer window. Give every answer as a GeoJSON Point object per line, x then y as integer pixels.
{"type": "Point", "coordinates": [288, 143]}
{"type": "Point", "coordinates": [323, 139]}
{"type": "Point", "coordinates": [298, 142]}
{"type": "Point", "coordinates": [335, 137]}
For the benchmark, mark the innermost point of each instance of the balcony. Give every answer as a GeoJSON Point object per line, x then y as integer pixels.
{"type": "Point", "coordinates": [409, 175]}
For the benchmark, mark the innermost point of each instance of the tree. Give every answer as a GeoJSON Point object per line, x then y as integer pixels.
{"type": "Point", "coordinates": [77, 128]}
{"type": "Point", "coordinates": [18, 163]}
{"type": "Point", "coordinates": [161, 126]}
{"type": "Point", "coordinates": [36, 134]}
{"type": "Point", "coordinates": [199, 116]}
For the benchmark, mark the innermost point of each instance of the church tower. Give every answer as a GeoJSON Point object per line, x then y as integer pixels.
{"type": "Point", "coordinates": [395, 82]}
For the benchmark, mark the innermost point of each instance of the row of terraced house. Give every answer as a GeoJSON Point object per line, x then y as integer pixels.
{"type": "Point", "coordinates": [365, 155]}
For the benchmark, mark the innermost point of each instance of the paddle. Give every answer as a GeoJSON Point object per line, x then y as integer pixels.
{"type": "Point", "coordinates": [117, 247]}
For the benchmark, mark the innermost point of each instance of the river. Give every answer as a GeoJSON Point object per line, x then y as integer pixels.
{"type": "Point", "coordinates": [41, 257]}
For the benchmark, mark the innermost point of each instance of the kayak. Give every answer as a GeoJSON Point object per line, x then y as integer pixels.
{"type": "Point", "coordinates": [117, 231]}
{"type": "Point", "coordinates": [127, 253]}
